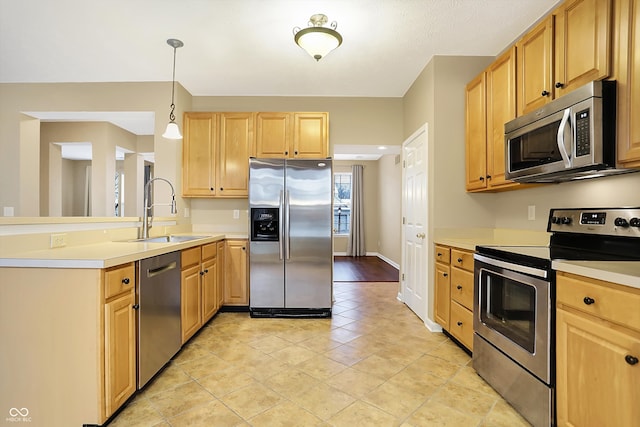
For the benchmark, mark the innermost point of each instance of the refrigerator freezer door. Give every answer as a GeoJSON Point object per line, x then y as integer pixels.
{"type": "Point", "coordinates": [309, 274]}
{"type": "Point", "coordinates": [266, 260]}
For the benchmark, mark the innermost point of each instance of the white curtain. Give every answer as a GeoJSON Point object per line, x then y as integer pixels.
{"type": "Point", "coordinates": [355, 246]}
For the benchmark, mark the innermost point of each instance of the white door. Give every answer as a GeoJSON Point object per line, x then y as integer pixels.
{"type": "Point", "coordinates": [415, 250]}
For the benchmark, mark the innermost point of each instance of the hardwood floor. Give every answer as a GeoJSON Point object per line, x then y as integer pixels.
{"type": "Point", "coordinates": [363, 269]}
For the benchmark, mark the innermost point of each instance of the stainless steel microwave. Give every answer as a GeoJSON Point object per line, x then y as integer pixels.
{"type": "Point", "coordinates": [572, 137]}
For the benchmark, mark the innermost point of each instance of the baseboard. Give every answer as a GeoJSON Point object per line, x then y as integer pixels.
{"type": "Point", "coordinates": [432, 326]}
{"type": "Point", "coordinates": [376, 254]}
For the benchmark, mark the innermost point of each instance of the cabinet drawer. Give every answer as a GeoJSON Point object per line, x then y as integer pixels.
{"type": "Point", "coordinates": [209, 250]}
{"type": "Point", "coordinates": [605, 300]}
{"type": "Point", "coordinates": [443, 254]}
{"type": "Point", "coordinates": [462, 259]}
{"type": "Point", "coordinates": [119, 279]}
{"type": "Point", "coordinates": [461, 324]}
{"type": "Point", "coordinates": [462, 287]}
{"type": "Point", "coordinates": [189, 257]}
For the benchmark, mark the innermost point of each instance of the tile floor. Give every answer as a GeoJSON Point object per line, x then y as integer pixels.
{"type": "Point", "coordinates": [373, 364]}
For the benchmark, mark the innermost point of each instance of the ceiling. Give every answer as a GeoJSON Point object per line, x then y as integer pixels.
{"type": "Point", "coordinates": [246, 48]}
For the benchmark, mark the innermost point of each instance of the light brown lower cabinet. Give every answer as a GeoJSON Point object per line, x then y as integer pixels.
{"type": "Point", "coordinates": [198, 288]}
{"type": "Point", "coordinates": [236, 290]}
{"type": "Point", "coordinates": [68, 333]}
{"type": "Point", "coordinates": [597, 352]}
{"type": "Point", "coordinates": [453, 307]}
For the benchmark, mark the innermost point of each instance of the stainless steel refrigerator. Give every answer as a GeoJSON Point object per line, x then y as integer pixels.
{"type": "Point", "coordinates": [290, 245]}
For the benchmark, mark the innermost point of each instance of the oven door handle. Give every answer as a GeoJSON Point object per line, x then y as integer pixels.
{"type": "Point", "coordinates": [513, 267]}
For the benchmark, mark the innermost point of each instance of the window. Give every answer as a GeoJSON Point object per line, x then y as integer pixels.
{"type": "Point", "coordinates": [341, 202]}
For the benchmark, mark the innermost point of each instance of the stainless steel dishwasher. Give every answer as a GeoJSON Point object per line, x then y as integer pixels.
{"type": "Point", "coordinates": [158, 296]}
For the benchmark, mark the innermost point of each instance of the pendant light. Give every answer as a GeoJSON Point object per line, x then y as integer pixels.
{"type": "Point", "coordinates": [316, 39]}
{"type": "Point", "coordinates": [173, 131]}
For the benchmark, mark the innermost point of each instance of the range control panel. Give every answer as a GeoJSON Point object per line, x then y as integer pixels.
{"type": "Point", "coordinates": [606, 221]}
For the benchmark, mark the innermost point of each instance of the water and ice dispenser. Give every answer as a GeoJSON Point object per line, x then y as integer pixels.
{"type": "Point", "coordinates": [264, 225]}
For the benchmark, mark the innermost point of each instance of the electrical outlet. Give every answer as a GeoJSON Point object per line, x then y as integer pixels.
{"type": "Point", "coordinates": [531, 214]}
{"type": "Point", "coordinates": [236, 214]}
{"type": "Point", "coordinates": [186, 212]}
{"type": "Point", "coordinates": [58, 240]}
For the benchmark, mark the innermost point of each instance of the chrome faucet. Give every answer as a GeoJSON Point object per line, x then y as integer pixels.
{"type": "Point", "coordinates": [145, 219]}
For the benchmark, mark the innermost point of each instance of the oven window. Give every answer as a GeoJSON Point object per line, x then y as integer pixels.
{"type": "Point", "coordinates": [509, 307]}
{"type": "Point", "coordinates": [535, 148]}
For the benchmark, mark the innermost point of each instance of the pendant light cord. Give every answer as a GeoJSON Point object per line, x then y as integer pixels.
{"type": "Point", "coordinates": [172, 117]}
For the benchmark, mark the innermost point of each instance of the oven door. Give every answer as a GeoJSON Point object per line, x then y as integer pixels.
{"type": "Point", "coordinates": [512, 311]}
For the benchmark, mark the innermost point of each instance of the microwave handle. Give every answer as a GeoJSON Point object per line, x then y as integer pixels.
{"type": "Point", "coordinates": [560, 138]}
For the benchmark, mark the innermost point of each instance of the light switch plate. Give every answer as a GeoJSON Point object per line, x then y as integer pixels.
{"type": "Point", "coordinates": [236, 214]}
{"type": "Point", "coordinates": [531, 214]}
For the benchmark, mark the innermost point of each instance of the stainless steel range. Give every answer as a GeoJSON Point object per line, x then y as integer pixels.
{"type": "Point", "coordinates": [514, 302]}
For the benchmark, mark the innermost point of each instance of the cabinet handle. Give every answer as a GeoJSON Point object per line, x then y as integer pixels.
{"type": "Point", "coordinates": [206, 271]}
{"type": "Point", "coordinates": [286, 153]}
{"type": "Point", "coordinates": [135, 306]}
{"type": "Point", "coordinates": [445, 274]}
{"type": "Point", "coordinates": [459, 259]}
{"type": "Point", "coordinates": [295, 153]}
{"type": "Point", "coordinates": [221, 189]}
{"type": "Point", "coordinates": [482, 178]}
{"type": "Point", "coordinates": [488, 176]}
{"type": "Point", "coordinates": [588, 300]}
{"type": "Point", "coordinates": [631, 360]}
{"type": "Point", "coordinates": [459, 323]}
{"type": "Point", "coordinates": [126, 280]}
{"type": "Point", "coordinates": [243, 248]}
{"type": "Point", "coordinates": [459, 287]}
{"type": "Point", "coordinates": [545, 93]}
{"type": "Point", "coordinates": [211, 188]}
{"type": "Point", "coordinates": [202, 273]}
{"type": "Point", "coordinates": [559, 85]}
{"type": "Point", "coordinates": [439, 254]}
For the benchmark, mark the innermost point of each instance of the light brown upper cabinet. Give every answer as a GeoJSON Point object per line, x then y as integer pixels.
{"type": "Point", "coordinates": [292, 135]}
{"type": "Point", "coordinates": [491, 102]}
{"type": "Point", "coordinates": [535, 68]}
{"type": "Point", "coordinates": [215, 154]}
{"type": "Point", "coordinates": [199, 151]}
{"type": "Point", "coordinates": [582, 43]}
{"type": "Point", "coordinates": [566, 50]}
{"type": "Point", "coordinates": [626, 48]}
{"type": "Point", "coordinates": [237, 144]}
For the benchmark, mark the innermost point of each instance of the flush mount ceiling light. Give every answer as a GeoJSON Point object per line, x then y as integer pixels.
{"type": "Point", "coordinates": [173, 131]}
{"type": "Point", "coordinates": [316, 39]}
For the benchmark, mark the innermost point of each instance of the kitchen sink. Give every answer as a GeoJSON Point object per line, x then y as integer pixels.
{"type": "Point", "coordinates": [168, 239]}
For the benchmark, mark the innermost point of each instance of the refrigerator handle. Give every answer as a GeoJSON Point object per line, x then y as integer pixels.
{"type": "Point", "coordinates": [280, 225]}
{"type": "Point", "coordinates": [286, 224]}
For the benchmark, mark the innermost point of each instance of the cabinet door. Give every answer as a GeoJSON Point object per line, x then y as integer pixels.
{"type": "Point", "coordinates": [476, 134]}
{"type": "Point", "coordinates": [535, 67]}
{"type": "Point", "coordinates": [221, 270]}
{"type": "Point", "coordinates": [190, 306]}
{"type": "Point", "coordinates": [501, 108]}
{"type": "Point", "coordinates": [235, 269]}
{"type": "Point", "coordinates": [209, 289]}
{"type": "Point", "coordinates": [273, 135]}
{"type": "Point", "coordinates": [582, 43]}
{"type": "Point", "coordinates": [237, 144]}
{"type": "Point", "coordinates": [310, 135]}
{"type": "Point", "coordinates": [627, 48]}
{"type": "Point", "coordinates": [442, 295]}
{"type": "Point", "coordinates": [198, 154]}
{"type": "Point", "coordinates": [596, 386]}
{"type": "Point", "coordinates": [120, 351]}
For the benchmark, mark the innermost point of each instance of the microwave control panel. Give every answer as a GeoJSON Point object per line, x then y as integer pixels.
{"type": "Point", "coordinates": [583, 134]}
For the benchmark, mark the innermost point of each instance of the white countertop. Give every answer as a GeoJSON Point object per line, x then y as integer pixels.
{"type": "Point", "coordinates": [622, 272]}
{"type": "Point", "coordinates": [101, 255]}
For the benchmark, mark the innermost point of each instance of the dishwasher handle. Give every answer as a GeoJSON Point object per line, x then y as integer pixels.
{"type": "Point", "coordinates": [151, 272]}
